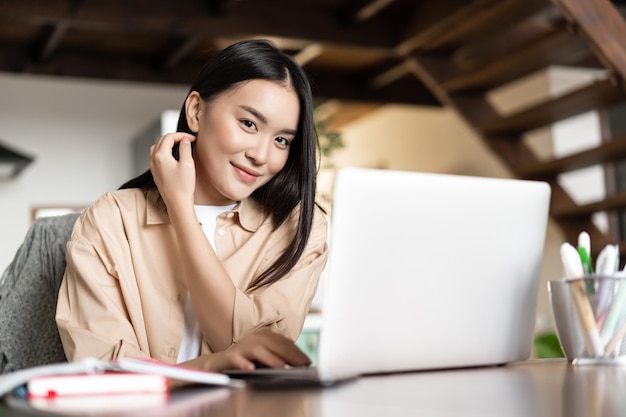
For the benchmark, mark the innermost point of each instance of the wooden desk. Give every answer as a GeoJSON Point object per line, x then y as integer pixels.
{"type": "Point", "coordinates": [550, 388]}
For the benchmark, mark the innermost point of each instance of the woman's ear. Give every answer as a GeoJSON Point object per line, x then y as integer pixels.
{"type": "Point", "coordinates": [193, 110]}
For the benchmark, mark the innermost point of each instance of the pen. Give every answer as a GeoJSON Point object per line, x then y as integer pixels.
{"type": "Point", "coordinates": [573, 270]}
{"type": "Point", "coordinates": [617, 337]}
{"type": "Point", "coordinates": [606, 266]}
{"type": "Point", "coordinates": [615, 311]}
{"type": "Point", "coordinates": [572, 264]}
{"type": "Point", "coordinates": [584, 251]}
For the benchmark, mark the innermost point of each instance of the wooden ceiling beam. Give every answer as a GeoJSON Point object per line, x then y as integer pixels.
{"type": "Point", "coordinates": [603, 27]}
{"type": "Point", "coordinates": [475, 53]}
{"type": "Point", "coordinates": [371, 9]}
{"type": "Point", "coordinates": [559, 48]}
{"type": "Point", "coordinates": [52, 40]}
{"type": "Point", "coordinates": [190, 18]}
{"type": "Point", "coordinates": [438, 26]}
{"type": "Point", "coordinates": [610, 151]}
{"type": "Point", "coordinates": [601, 94]}
{"type": "Point", "coordinates": [180, 52]}
{"type": "Point", "coordinates": [612, 202]}
{"type": "Point", "coordinates": [86, 64]}
{"type": "Point", "coordinates": [407, 90]}
{"type": "Point", "coordinates": [132, 68]}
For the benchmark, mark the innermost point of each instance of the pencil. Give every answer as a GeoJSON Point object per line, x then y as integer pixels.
{"type": "Point", "coordinates": [574, 270]}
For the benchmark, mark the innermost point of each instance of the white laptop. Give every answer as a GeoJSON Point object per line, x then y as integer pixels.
{"type": "Point", "coordinates": [429, 271]}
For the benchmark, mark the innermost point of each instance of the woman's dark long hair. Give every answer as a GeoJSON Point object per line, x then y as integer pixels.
{"type": "Point", "coordinates": [295, 184]}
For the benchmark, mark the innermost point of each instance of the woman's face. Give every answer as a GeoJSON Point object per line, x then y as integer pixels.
{"type": "Point", "coordinates": [243, 139]}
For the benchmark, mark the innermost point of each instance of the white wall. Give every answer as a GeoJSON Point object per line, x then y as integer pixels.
{"type": "Point", "coordinates": [417, 139]}
{"type": "Point", "coordinates": [79, 133]}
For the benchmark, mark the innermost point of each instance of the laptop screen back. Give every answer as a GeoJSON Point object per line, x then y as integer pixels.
{"type": "Point", "coordinates": [430, 271]}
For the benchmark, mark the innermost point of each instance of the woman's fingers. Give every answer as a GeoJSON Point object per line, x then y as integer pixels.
{"type": "Point", "coordinates": [175, 179]}
{"type": "Point", "coordinates": [268, 357]}
{"type": "Point", "coordinates": [271, 349]}
{"type": "Point", "coordinates": [166, 142]}
{"type": "Point", "coordinates": [161, 151]}
{"type": "Point", "coordinates": [287, 352]}
{"type": "Point", "coordinates": [184, 151]}
{"type": "Point", "coordinates": [227, 360]}
{"type": "Point", "coordinates": [262, 347]}
{"type": "Point", "coordinates": [169, 139]}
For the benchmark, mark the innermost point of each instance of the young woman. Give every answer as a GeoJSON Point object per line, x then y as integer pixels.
{"type": "Point", "coordinates": [212, 257]}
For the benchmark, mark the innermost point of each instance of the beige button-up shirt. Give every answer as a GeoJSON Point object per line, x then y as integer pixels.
{"type": "Point", "coordinates": [123, 292]}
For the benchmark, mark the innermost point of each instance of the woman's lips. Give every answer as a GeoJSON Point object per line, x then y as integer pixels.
{"type": "Point", "coordinates": [246, 174]}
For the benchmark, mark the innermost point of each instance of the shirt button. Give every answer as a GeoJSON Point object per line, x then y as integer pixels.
{"type": "Point", "coordinates": [221, 232]}
{"type": "Point", "coordinates": [230, 215]}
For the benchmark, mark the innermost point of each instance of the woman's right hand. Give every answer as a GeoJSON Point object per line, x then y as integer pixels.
{"type": "Point", "coordinates": [175, 179]}
{"type": "Point", "coordinates": [263, 346]}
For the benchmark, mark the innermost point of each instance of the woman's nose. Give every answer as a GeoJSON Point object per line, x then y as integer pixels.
{"type": "Point", "coordinates": [258, 151]}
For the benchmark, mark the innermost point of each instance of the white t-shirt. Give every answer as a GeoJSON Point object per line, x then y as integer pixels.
{"type": "Point", "coordinates": [192, 336]}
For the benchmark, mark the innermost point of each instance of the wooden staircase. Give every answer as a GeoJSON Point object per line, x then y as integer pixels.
{"type": "Point", "coordinates": [485, 45]}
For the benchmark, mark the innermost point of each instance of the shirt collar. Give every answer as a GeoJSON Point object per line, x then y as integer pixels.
{"type": "Point", "coordinates": [250, 214]}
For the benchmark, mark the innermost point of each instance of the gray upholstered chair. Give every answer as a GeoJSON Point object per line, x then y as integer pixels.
{"type": "Point", "coordinates": [28, 295]}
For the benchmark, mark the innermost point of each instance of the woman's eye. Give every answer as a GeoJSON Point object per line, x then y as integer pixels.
{"type": "Point", "coordinates": [283, 141]}
{"type": "Point", "coordinates": [249, 124]}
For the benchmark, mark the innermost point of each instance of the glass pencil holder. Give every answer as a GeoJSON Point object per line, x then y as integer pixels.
{"type": "Point", "coordinates": [590, 318]}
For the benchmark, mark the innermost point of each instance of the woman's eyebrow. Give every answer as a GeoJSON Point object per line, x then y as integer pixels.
{"type": "Point", "coordinates": [254, 112]}
{"type": "Point", "coordinates": [263, 119]}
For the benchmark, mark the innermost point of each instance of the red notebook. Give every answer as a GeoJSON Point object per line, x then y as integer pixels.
{"type": "Point", "coordinates": [109, 383]}
{"type": "Point", "coordinates": [96, 374]}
